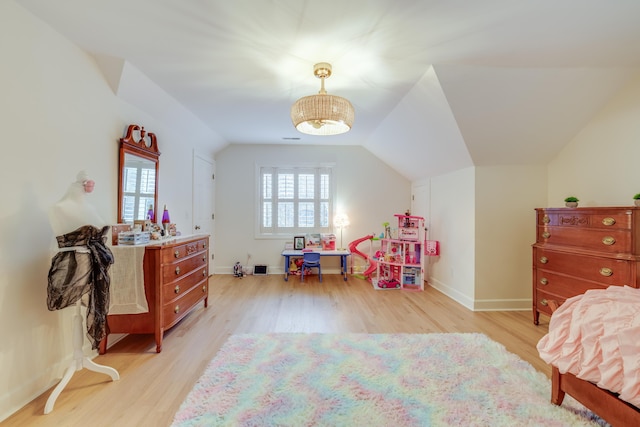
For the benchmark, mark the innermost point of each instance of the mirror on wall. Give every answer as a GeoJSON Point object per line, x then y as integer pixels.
{"type": "Point", "coordinates": [138, 176]}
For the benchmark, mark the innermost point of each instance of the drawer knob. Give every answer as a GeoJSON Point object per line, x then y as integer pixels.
{"type": "Point", "coordinates": [608, 240]}
{"type": "Point", "coordinates": [177, 289]}
{"type": "Point", "coordinates": [608, 221]}
{"type": "Point", "coordinates": [204, 273]}
{"type": "Point", "coordinates": [544, 302]}
{"type": "Point", "coordinates": [546, 219]}
{"type": "Point", "coordinates": [177, 270]}
{"type": "Point", "coordinates": [177, 309]}
{"type": "Point", "coordinates": [204, 245]}
{"type": "Point", "coordinates": [546, 235]}
{"type": "Point", "coordinates": [204, 288]}
{"type": "Point", "coordinates": [176, 254]}
{"type": "Point", "coordinates": [204, 258]}
{"type": "Point", "coordinates": [544, 260]}
{"type": "Point", "coordinates": [544, 281]}
{"type": "Point", "coordinates": [606, 272]}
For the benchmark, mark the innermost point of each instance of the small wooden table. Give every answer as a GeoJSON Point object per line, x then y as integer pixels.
{"type": "Point", "coordinates": [342, 253]}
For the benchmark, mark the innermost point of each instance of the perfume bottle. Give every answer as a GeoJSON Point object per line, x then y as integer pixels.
{"type": "Point", "coordinates": [150, 214]}
{"type": "Point", "coordinates": [165, 220]}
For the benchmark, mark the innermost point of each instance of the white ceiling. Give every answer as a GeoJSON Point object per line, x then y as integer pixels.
{"type": "Point", "coordinates": [437, 85]}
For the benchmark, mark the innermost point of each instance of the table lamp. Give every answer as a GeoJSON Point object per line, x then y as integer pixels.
{"type": "Point", "coordinates": [341, 221]}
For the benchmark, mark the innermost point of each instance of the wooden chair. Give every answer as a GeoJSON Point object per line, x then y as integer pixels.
{"type": "Point", "coordinates": [310, 260]}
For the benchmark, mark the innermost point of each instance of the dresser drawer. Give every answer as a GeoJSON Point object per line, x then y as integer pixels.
{"type": "Point", "coordinates": [605, 241]}
{"type": "Point", "coordinates": [564, 286]}
{"type": "Point", "coordinates": [183, 251]}
{"type": "Point", "coordinates": [173, 290]}
{"type": "Point", "coordinates": [542, 301]}
{"type": "Point", "coordinates": [173, 271]}
{"type": "Point", "coordinates": [607, 271]}
{"type": "Point", "coordinates": [619, 219]}
{"type": "Point", "coordinates": [175, 310]}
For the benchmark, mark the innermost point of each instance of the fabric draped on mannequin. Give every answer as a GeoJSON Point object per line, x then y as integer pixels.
{"type": "Point", "coordinates": [75, 273]}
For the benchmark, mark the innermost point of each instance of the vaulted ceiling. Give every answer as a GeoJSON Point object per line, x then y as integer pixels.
{"type": "Point", "coordinates": [437, 85]}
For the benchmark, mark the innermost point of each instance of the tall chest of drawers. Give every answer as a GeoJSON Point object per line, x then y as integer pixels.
{"type": "Point", "coordinates": [578, 249]}
{"type": "Point", "coordinates": [175, 281]}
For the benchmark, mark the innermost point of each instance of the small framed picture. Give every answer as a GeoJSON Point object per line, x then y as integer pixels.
{"type": "Point", "coordinates": [298, 243]}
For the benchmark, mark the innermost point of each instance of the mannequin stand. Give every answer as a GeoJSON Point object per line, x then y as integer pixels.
{"type": "Point", "coordinates": [80, 361]}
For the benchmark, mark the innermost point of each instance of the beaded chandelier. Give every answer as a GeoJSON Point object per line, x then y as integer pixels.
{"type": "Point", "coordinates": [322, 114]}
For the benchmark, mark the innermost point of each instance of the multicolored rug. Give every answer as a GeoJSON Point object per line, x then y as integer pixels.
{"type": "Point", "coordinates": [373, 380]}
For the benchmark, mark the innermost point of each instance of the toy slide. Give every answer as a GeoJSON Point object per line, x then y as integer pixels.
{"type": "Point", "coordinates": [353, 247]}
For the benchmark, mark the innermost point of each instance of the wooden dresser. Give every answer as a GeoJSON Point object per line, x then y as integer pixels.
{"type": "Point", "coordinates": [578, 249]}
{"type": "Point", "coordinates": [175, 281]}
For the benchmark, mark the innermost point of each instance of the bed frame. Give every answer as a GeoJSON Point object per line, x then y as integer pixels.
{"type": "Point", "coordinates": [601, 402]}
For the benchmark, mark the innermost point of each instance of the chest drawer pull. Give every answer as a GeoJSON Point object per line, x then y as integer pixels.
{"type": "Point", "coordinates": [176, 254]}
{"type": "Point", "coordinates": [204, 245]}
{"type": "Point", "coordinates": [606, 272]}
{"type": "Point", "coordinates": [177, 289]}
{"type": "Point", "coordinates": [608, 221]}
{"type": "Point", "coordinates": [544, 260]}
{"type": "Point", "coordinates": [204, 273]}
{"type": "Point", "coordinates": [544, 302]}
{"type": "Point", "coordinates": [546, 235]}
{"type": "Point", "coordinates": [608, 240]}
{"type": "Point", "coordinates": [204, 288]}
{"type": "Point", "coordinates": [177, 270]}
{"type": "Point", "coordinates": [545, 219]}
{"type": "Point", "coordinates": [544, 281]}
{"type": "Point", "coordinates": [177, 309]}
{"type": "Point", "coordinates": [204, 258]}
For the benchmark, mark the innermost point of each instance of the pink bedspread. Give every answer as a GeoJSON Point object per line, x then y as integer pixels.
{"type": "Point", "coordinates": [596, 337]}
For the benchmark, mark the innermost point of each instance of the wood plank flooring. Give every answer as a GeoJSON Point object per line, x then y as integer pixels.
{"type": "Point", "coordinates": [152, 386]}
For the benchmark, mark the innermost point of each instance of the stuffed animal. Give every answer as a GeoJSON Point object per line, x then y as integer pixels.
{"type": "Point", "coordinates": [237, 270]}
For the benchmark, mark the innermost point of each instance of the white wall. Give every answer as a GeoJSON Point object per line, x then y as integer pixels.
{"type": "Point", "coordinates": [59, 115]}
{"type": "Point", "coordinates": [452, 223]}
{"type": "Point", "coordinates": [506, 197]}
{"type": "Point", "coordinates": [368, 191]}
{"type": "Point", "coordinates": [600, 165]}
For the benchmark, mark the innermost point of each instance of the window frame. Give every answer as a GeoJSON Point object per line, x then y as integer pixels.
{"type": "Point", "coordinates": [140, 199]}
{"type": "Point", "coordinates": [276, 232]}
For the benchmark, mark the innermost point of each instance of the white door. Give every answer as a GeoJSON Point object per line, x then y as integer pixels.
{"type": "Point", "coordinates": [204, 200]}
{"type": "Point", "coordinates": [420, 206]}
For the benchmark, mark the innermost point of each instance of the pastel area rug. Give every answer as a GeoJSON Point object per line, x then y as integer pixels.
{"type": "Point", "coordinates": [373, 380]}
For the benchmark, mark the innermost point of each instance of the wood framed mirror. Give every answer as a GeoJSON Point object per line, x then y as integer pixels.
{"type": "Point", "coordinates": [138, 173]}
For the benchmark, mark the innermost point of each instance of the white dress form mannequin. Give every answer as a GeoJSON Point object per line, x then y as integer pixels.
{"type": "Point", "coordinates": [70, 213]}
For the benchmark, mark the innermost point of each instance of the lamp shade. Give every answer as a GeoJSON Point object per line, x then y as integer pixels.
{"type": "Point", "coordinates": [341, 220]}
{"type": "Point", "coordinates": [322, 114]}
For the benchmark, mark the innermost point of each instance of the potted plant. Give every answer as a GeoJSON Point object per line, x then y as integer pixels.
{"type": "Point", "coordinates": [636, 199]}
{"type": "Point", "coordinates": [571, 202]}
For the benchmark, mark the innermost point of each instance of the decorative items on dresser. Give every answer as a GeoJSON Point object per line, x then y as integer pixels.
{"type": "Point", "coordinates": [175, 281]}
{"type": "Point", "coordinates": [578, 249]}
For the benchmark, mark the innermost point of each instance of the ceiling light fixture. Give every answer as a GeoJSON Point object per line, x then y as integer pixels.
{"type": "Point", "coordinates": [322, 114]}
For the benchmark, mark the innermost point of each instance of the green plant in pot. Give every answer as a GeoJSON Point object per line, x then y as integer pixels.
{"type": "Point", "coordinates": [636, 199]}
{"type": "Point", "coordinates": [571, 202]}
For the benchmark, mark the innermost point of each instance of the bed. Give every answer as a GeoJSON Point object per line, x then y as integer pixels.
{"type": "Point", "coordinates": [593, 347]}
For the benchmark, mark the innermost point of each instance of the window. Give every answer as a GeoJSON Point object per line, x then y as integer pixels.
{"type": "Point", "coordinates": [295, 200]}
{"type": "Point", "coordinates": [139, 186]}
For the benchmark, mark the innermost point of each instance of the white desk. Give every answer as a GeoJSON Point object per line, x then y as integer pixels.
{"type": "Point", "coordinates": [342, 253]}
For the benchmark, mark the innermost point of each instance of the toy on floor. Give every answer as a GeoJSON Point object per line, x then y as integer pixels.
{"type": "Point", "coordinates": [371, 266]}
{"type": "Point", "coordinates": [293, 266]}
{"type": "Point", "coordinates": [237, 270]}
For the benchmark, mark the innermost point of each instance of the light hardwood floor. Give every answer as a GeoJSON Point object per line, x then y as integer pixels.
{"type": "Point", "coordinates": [152, 386]}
